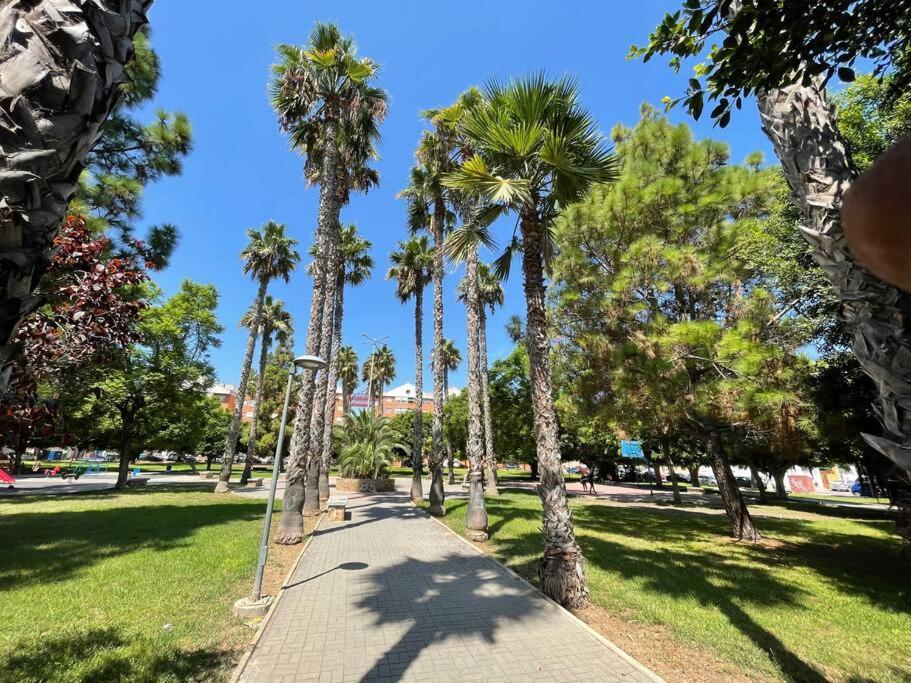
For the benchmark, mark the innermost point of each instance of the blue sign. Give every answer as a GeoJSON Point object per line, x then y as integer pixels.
{"type": "Point", "coordinates": [632, 450]}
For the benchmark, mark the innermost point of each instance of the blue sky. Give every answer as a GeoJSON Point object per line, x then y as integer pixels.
{"type": "Point", "coordinates": [216, 59]}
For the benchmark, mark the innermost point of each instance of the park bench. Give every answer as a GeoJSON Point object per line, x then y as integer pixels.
{"type": "Point", "coordinates": [139, 482]}
{"type": "Point", "coordinates": [336, 506]}
{"type": "Point", "coordinates": [208, 474]}
{"type": "Point", "coordinates": [254, 483]}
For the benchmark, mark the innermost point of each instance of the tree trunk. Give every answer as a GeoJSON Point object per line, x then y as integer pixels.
{"type": "Point", "coordinates": [126, 441]}
{"type": "Point", "coordinates": [801, 124]}
{"type": "Point", "coordinates": [60, 77]}
{"type": "Point", "coordinates": [254, 425]}
{"type": "Point", "coordinates": [666, 447]}
{"type": "Point", "coordinates": [490, 462]}
{"type": "Point", "coordinates": [437, 494]}
{"type": "Point", "coordinates": [758, 483]}
{"type": "Point", "coordinates": [731, 497]}
{"type": "Point", "coordinates": [447, 444]}
{"type": "Point", "coordinates": [209, 458]}
{"type": "Point", "coordinates": [656, 468]}
{"type": "Point", "coordinates": [780, 491]}
{"type": "Point", "coordinates": [224, 476]}
{"type": "Point", "coordinates": [694, 477]}
{"type": "Point", "coordinates": [561, 572]}
{"type": "Point", "coordinates": [417, 440]}
{"type": "Point", "coordinates": [476, 515]}
{"type": "Point", "coordinates": [291, 527]}
{"type": "Point", "coordinates": [332, 383]}
{"type": "Point", "coordinates": [533, 473]}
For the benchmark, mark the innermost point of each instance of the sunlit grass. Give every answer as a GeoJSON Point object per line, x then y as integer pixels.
{"type": "Point", "coordinates": [124, 586]}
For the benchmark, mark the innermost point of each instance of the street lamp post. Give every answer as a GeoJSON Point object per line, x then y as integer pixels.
{"type": "Point", "coordinates": [255, 605]}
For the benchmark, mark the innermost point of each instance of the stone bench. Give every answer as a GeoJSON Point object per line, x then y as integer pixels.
{"type": "Point", "coordinates": [336, 507]}
{"type": "Point", "coordinates": [254, 483]}
{"type": "Point", "coordinates": [208, 475]}
{"type": "Point", "coordinates": [139, 482]}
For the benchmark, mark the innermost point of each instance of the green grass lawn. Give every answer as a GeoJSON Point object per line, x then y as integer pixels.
{"type": "Point", "coordinates": [824, 597]}
{"type": "Point", "coordinates": [124, 586]}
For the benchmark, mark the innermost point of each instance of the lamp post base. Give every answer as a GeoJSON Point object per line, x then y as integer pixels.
{"type": "Point", "coordinates": [245, 608]}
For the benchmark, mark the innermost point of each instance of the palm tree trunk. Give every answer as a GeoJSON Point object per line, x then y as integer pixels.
{"type": "Point", "coordinates": [731, 497]}
{"type": "Point", "coordinates": [224, 476]}
{"type": "Point", "coordinates": [560, 571]}
{"type": "Point", "coordinates": [490, 461]}
{"type": "Point", "coordinates": [60, 79]}
{"type": "Point", "coordinates": [801, 124]}
{"type": "Point", "coordinates": [318, 415]}
{"type": "Point", "coordinates": [437, 494]}
{"type": "Point", "coordinates": [260, 384]}
{"type": "Point", "coordinates": [447, 444]}
{"type": "Point", "coordinates": [332, 384]}
{"type": "Point", "coordinates": [417, 440]}
{"type": "Point", "coordinates": [476, 515]}
{"type": "Point", "coordinates": [666, 447]}
{"type": "Point", "coordinates": [291, 526]}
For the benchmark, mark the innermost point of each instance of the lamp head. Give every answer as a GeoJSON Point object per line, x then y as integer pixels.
{"type": "Point", "coordinates": [309, 362]}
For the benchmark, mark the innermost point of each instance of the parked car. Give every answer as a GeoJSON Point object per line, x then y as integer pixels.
{"type": "Point", "coordinates": [861, 487]}
{"type": "Point", "coordinates": [743, 482]}
{"type": "Point", "coordinates": [705, 479]}
{"type": "Point", "coordinates": [840, 485]}
{"type": "Point", "coordinates": [682, 478]}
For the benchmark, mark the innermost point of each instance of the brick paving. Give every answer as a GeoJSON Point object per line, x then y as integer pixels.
{"type": "Point", "coordinates": [391, 595]}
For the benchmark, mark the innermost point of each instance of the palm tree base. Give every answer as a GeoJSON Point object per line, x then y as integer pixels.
{"type": "Point", "coordinates": [289, 536]}
{"type": "Point", "coordinates": [491, 490]}
{"type": "Point", "coordinates": [476, 535]}
{"type": "Point", "coordinates": [562, 577]}
{"type": "Point", "coordinates": [222, 487]}
{"type": "Point", "coordinates": [437, 510]}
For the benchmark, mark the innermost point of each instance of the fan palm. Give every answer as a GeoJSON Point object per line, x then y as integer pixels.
{"type": "Point", "coordinates": [354, 267]}
{"type": "Point", "coordinates": [378, 371]}
{"type": "Point", "coordinates": [427, 199]}
{"type": "Point", "coordinates": [269, 255]}
{"type": "Point", "coordinates": [324, 99]}
{"type": "Point", "coordinates": [57, 88]}
{"type": "Point", "coordinates": [367, 444]}
{"type": "Point", "coordinates": [537, 150]}
{"type": "Point", "coordinates": [411, 269]}
{"type": "Point", "coordinates": [275, 323]}
{"type": "Point", "coordinates": [347, 374]}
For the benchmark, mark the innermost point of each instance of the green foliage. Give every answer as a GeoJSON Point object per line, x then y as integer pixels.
{"type": "Point", "coordinates": [366, 445]}
{"type": "Point", "coordinates": [403, 426]}
{"type": "Point", "coordinates": [269, 253]}
{"type": "Point", "coordinates": [412, 265]}
{"type": "Point", "coordinates": [455, 423]}
{"type": "Point", "coordinates": [768, 44]}
{"type": "Point", "coordinates": [510, 408]}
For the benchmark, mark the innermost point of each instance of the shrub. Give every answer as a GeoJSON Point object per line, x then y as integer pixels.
{"type": "Point", "coordinates": [366, 444]}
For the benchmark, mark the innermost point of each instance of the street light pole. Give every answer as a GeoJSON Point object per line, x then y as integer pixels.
{"type": "Point", "coordinates": [255, 605]}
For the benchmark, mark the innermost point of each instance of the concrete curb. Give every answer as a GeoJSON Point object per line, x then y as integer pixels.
{"type": "Point", "coordinates": [242, 664]}
{"type": "Point", "coordinates": [610, 645]}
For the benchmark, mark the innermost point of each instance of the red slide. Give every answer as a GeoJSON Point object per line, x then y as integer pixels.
{"type": "Point", "coordinates": [6, 478]}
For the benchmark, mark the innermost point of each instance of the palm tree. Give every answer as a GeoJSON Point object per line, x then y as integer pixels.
{"type": "Point", "coordinates": [411, 268]}
{"type": "Point", "coordinates": [354, 267]}
{"type": "Point", "coordinates": [269, 255]}
{"type": "Point", "coordinates": [275, 323]}
{"type": "Point", "coordinates": [347, 374]}
{"type": "Point", "coordinates": [537, 150]}
{"type": "Point", "coordinates": [367, 443]}
{"type": "Point", "coordinates": [490, 294]}
{"type": "Point", "coordinates": [322, 95]}
{"type": "Point", "coordinates": [427, 209]}
{"type": "Point", "coordinates": [451, 360]}
{"type": "Point", "coordinates": [59, 87]}
{"type": "Point", "coordinates": [379, 370]}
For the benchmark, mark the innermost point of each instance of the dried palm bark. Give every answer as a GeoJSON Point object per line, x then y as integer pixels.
{"type": "Point", "coordinates": [61, 65]}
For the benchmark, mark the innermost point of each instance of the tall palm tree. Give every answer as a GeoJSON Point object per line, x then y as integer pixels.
{"type": "Point", "coordinates": [411, 268]}
{"type": "Point", "coordinates": [354, 267]}
{"type": "Point", "coordinates": [536, 150]}
{"type": "Point", "coordinates": [452, 358]}
{"type": "Point", "coordinates": [428, 210]}
{"type": "Point", "coordinates": [490, 294]}
{"type": "Point", "coordinates": [347, 374]}
{"type": "Point", "coordinates": [378, 371]}
{"type": "Point", "coordinates": [269, 255]}
{"type": "Point", "coordinates": [275, 323]}
{"type": "Point", "coordinates": [321, 93]}
{"type": "Point", "coordinates": [60, 79]}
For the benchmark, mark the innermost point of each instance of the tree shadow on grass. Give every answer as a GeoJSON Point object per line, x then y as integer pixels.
{"type": "Point", "coordinates": [37, 545]}
{"type": "Point", "coordinates": [107, 654]}
{"type": "Point", "coordinates": [876, 568]}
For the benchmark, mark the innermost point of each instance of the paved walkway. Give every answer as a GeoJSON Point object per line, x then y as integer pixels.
{"type": "Point", "coordinates": [391, 595]}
